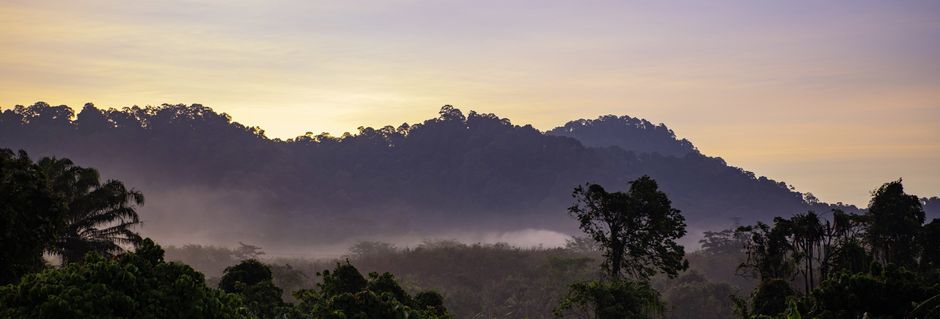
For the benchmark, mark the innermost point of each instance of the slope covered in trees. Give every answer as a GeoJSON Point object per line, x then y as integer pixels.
{"type": "Point", "coordinates": [628, 133]}
{"type": "Point", "coordinates": [478, 171]}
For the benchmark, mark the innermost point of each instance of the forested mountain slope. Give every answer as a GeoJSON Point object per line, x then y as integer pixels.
{"type": "Point", "coordinates": [204, 174]}
{"type": "Point", "coordinates": [629, 133]}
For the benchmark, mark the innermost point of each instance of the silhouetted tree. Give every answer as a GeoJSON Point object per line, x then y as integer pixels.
{"type": "Point", "coordinates": [31, 216]}
{"type": "Point", "coordinates": [808, 233]}
{"type": "Point", "coordinates": [636, 229]}
{"type": "Point", "coordinates": [100, 217]}
{"type": "Point", "coordinates": [770, 258]}
{"type": "Point", "coordinates": [868, 264]}
{"type": "Point", "coordinates": [893, 221]}
{"type": "Point", "coordinates": [91, 120]}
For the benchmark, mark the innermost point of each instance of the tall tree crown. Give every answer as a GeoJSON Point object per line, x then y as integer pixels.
{"type": "Point", "coordinates": [637, 229]}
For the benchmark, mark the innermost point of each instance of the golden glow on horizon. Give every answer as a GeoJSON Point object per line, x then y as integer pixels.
{"type": "Point", "coordinates": [835, 104]}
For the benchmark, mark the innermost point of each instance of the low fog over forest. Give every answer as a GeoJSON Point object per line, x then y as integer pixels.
{"type": "Point", "coordinates": [472, 177]}
{"type": "Point", "coordinates": [461, 216]}
{"type": "Point", "coordinates": [659, 161]}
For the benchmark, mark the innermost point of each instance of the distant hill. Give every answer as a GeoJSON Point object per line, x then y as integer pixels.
{"type": "Point", "coordinates": [628, 133]}
{"type": "Point", "coordinates": [208, 178]}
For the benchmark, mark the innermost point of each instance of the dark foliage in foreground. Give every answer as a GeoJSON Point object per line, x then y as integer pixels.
{"type": "Point", "coordinates": [57, 207]}
{"type": "Point", "coordinates": [134, 285]}
{"type": "Point", "coordinates": [31, 216]}
{"type": "Point", "coordinates": [881, 264]}
{"type": "Point", "coordinates": [100, 216]}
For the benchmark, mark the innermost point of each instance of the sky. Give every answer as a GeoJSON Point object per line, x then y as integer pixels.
{"type": "Point", "coordinates": [832, 97]}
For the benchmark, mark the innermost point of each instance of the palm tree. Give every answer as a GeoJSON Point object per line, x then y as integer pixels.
{"type": "Point", "coordinates": [807, 231]}
{"type": "Point", "coordinates": [99, 217]}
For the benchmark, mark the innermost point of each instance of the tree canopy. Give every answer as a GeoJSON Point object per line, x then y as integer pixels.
{"type": "Point", "coordinates": [880, 264]}
{"type": "Point", "coordinates": [100, 217]}
{"type": "Point", "coordinates": [252, 280]}
{"type": "Point", "coordinates": [637, 229]}
{"type": "Point", "coordinates": [31, 215]}
{"type": "Point", "coordinates": [134, 285]}
{"type": "Point", "coordinates": [894, 219]}
{"type": "Point", "coordinates": [57, 207]}
{"type": "Point", "coordinates": [345, 293]}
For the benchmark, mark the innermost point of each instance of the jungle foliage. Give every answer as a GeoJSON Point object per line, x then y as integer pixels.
{"type": "Point", "coordinates": [879, 264]}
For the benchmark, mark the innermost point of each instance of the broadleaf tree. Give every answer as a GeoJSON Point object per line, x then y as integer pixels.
{"type": "Point", "coordinates": [637, 229]}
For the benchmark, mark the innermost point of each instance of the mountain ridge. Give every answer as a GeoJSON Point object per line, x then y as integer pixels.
{"type": "Point", "coordinates": [456, 171]}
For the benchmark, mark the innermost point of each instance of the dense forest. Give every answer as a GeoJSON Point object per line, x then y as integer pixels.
{"type": "Point", "coordinates": [474, 172]}
{"type": "Point", "coordinates": [881, 263]}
